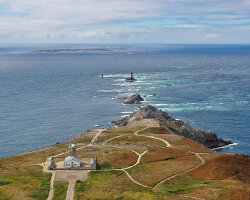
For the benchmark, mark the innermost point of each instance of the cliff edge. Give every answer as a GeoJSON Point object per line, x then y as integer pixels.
{"type": "Point", "coordinates": [151, 116]}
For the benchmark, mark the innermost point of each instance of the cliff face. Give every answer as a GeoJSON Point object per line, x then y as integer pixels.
{"type": "Point", "coordinates": [151, 116]}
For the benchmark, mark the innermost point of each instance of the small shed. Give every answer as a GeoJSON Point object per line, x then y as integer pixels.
{"type": "Point", "coordinates": [51, 165]}
{"type": "Point", "coordinates": [92, 163]}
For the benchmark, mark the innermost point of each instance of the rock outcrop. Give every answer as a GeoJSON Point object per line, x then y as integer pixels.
{"type": "Point", "coordinates": [131, 78]}
{"type": "Point", "coordinates": [151, 116]}
{"type": "Point", "coordinates": [134, 99]}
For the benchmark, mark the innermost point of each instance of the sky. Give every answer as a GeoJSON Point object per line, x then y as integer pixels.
{"type": "Point", "coordinates": [125, 21]}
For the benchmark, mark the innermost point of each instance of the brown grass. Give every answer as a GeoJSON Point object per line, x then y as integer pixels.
{"type": "Point", "coordinates": [114, 185]}
{"type": "Point", "coordinates": [156, 130]}
{"type": "Point", "coordinates": [86, 137]}
{"type": "Point", "coordinates": [118, 158]}
{"type": "Point", "coordinates": [151, 173]}
{"type": "Point", "coordinates": [113, 132]}
{"type": "Point", "coordinates": [229, 190]}
{"type": "Point", "coordinates": [133, 142]}
{"type": "Point", "coordinates": [225, 166]}
{"type": "Point", "coordinates": [163, 154]}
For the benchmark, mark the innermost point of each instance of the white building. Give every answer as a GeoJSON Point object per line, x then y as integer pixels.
{"type": "Point", "coordinates": [72, 161]}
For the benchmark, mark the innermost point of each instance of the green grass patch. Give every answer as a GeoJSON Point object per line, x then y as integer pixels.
{"type": "Point", "coordinates": [182, 183]}
{"type": "Point", "coordinates": [115, 185]}
{"type": "Point", "coordinates": [96, 178]}
{"type": "Point", "coordinates": [5, 181]}
{"type": "Point", "coordinates": [3, 196]}
{"type": "Point", "coordinates": [60, 190]}
{"type": "Point", "coordinates": [104, 165]}
{"type": "Point", "coordinates": [42, 191]}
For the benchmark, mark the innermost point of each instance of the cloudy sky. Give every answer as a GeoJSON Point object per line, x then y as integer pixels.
{"type": "Point", "coordinates": [125, 21]}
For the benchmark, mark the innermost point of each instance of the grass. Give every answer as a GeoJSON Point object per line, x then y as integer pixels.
{"type": "Point", "coordinates": [42, 191]}
{"type": "Point", "coordinates": [137, 142]}
{"type": "Point", "coordinates": [3, 196]}
{"type": "Point", "coordinates": [60, 190]}
{"type": "Point", "coordinates": [222, 177]}
{"type": "Point", "coordinates": [150, 173]}
{"type": "Point", "coordinates": [5, 181]}
{"type": "Point", "coordinates": [104, 165]}
{"type": "Point", "coordinates": [25, 182]}
{"type": "Point", "coordinates": [183, 183]}
{"type": "Point", "coordinates": [113, 132]}
{"type": "Point", "coordinates": [109, 185]}
{"type": "Point", "coordinates": [109, 157]}
{"type": "Point", "coordinates": [155, 130]}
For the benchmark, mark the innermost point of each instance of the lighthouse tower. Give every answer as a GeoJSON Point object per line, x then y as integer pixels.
{"type": "Point", "coordinates": [72, 148]}
{"type": "Point", "coordinates": [72, 161]}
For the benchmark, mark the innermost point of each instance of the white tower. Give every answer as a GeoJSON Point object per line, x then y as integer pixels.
{"type": "Point", "coordinates": [72, 161]}
{"type": "Point", "coordinates": [72, 148]}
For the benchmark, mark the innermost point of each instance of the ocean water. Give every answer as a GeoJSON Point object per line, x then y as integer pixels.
{"type": "Point", "coordinates": [46, 95]}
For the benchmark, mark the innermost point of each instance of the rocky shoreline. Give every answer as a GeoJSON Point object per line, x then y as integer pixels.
{"type": "Point", "coordinates": [151, 116]}
{"type": "Point", "coordinates": [134, 99]}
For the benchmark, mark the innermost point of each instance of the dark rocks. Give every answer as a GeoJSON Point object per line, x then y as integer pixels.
{"type": "Point", "coordinates": [151, 115]}
{"type": "Point", "coordinates": [134, 99]}
{"type": "Point", "coordinates": [131, 78]}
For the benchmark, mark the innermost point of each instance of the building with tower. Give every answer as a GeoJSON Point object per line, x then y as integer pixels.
{"type": "Point", "coordinates": [72, 161]}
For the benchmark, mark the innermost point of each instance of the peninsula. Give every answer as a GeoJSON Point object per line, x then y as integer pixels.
{"type": "Point", "coordinates": [149, 155]}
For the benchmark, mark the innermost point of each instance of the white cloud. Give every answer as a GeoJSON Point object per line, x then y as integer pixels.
{"type": "Point", "coordinates": [104, 20]}
{"type": "Point", "coordinates": [212, 35]}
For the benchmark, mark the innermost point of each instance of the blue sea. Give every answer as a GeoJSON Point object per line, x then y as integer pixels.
{"type": "Point", "coordinates": [45, 95]}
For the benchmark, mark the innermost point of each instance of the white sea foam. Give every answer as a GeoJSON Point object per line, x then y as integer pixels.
{"type": "Point", "coordinates": [126, 112]}
{"type": "Point", "coordinates": [160, 104]}
{"type": "Point", "coordinates": [228, 146]}
{"type": "Point", "coordinates": [110, 91]}
{"type": "Point", "coordinates": [124, 116]}
{"type": "Point", "coordinates": [113, 75]}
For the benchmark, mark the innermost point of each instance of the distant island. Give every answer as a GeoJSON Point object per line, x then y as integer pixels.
{"type": "Point", "coordinates": [82, 49]}
{"type": "Point", "coordinates": [149, 155]}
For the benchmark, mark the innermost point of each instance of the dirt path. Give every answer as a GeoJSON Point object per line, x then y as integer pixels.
{"type": "Point", "coordinates": [189, 197]}
{"type": "Point", "coordinates": [153, 137]}
{"type": "Point", "coordinates": [71, 186]}
{"type": "Point", "coordinates": [51, 191]}
{"type": "Point", "coordinates": [140, 155]}
{"type": "Point", "coordinates": [131, 178]}
{"type": "Point", "coordinates": [114, 138]}
{"type": "Point", "coordinates": [137, 162]}
{"type": "Point", "coordinates": [70, 190]}
{"type": "Point", "coordinates": [202, 163]}
{"type": "Point", "coordinates": [97, 135]}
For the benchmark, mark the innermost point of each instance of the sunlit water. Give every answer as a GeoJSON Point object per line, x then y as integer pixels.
{"type": "Point", "coordinates": [45, 96]}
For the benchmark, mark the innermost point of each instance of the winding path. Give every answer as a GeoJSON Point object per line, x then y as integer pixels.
{"type": "Point", "coordinates": [139, 158]}
{"type": "Point", "coordinates": [153, 137]}
{"type": "Point", "coordinates": [170, 177]}
{"type": "Point", "coordinates": [71, 186]}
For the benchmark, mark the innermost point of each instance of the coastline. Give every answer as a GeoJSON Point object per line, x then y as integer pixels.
{"type": "Point", "coordinates": [138, 159]}
{"type": "Point", "coordinates": [27, 124]}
